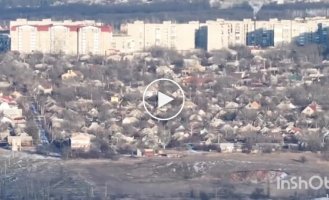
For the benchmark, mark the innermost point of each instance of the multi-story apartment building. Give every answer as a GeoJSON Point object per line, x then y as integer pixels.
{"type": "Point", "coordinates": [221, 33]}
{"type": "Point", "coordinates": [4, 41]}
{"type": "Point", "coordinates": [47, 36]}
{"type": "Point", "coordinates": [84, 37]}
{"type": "Point", "coordinates": [139, 36]}
{"type": "Point", "coordinates": [301, 31]}
{"type": "Point", "coordinates": [224, 33]}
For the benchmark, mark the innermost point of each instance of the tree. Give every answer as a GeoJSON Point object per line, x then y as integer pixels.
{"type": "Point", "coordinates": [220, 57]}
{"type": "Point", "coordinates": [247, 115]}
{"type": "Point", "coordinates": [32, 130]}
{"type": "Point", "coordinates": [65, 94]}
{"type": "Point", "coordinates": [243, 51]}
{"type": "Point", "coordinates": [313, 142]}
{"type": "Point", "coordinates": [299, 95]}
{"type": "Point", "coordinates": [312, 53]}
{"type": "Point", "coordinates": [170, 56]}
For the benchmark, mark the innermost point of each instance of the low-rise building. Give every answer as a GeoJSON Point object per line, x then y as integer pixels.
{"type": "Point", "coordinates": [71, 74]}
{"type": "Point", "coordinates": [81, 141]}
{"type": "Point", "coordinates": [227, 147]}
{"type": "Point", "coordinates": [19, 141]}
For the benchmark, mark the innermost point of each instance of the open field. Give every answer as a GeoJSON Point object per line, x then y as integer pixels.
{"type": "Point", "coordinates": [196, 176]}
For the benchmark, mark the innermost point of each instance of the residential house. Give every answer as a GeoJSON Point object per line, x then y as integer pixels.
{"type": "Point", "coordinates": [196, 80]}
{"type": "Point", "coordinates": [21, 140]}
{"type": "Point", "coordinates": [190, 105]}
{"type": "Point", "coordinates": [81, 141]}
{"type": "Point", "coordinates": [26, 140]}
{"type": "Point", "coordinates": [286, 105]}
{"type": "Point", "coordinates": [148, 153]}
{"type": "Point", "coordinates": [294, 130]}
{"type": "Point", "coordinates": [249, 129]}
{"type": "Point", "coordinates": [312, 109]}
{"type": "Point", "coordinates": [8, 99]}
{"type": "Point", "coordinates": [4, 106]}
{"type": "Point", "coordinates": [19, 122]}
{"type": "Point", "coordinates": [13, 112]}
{"type": "Point", "coordinates": [15, 143]}
{"type": "Point", "coordinates": [4, 134]}
{"type": "Point", "coordinates": [226, 147]}
{"type": "Point", "coordinates": [115, 99]}
{"type": "Point", "coordinates": [267, 146]}
{"type": "Point", "coordinates": [193, 66]}
{"type": "Point", "coordinates": [94, 128]}
{"type": "Point", "coordinates": [71, 74]}
{"type": "Point", "coordinates": [253, 105]}
{"type": "Point", "coordinates": [4, 84]}
{"type": "Point", "coordinates": [45, 88]}
{"type": "Point", "coordinates": [216, 122]}
{"type": "Point", "coordinates": [56, 122]}
{"type": "Point", "coordinates": [16, 95]}
{"type": "Point", "coordinates": [231, 105]}
{"type": "Point", "coordinates": [130, 120]}
{"type": "Point", "coordinates": [164, 71]}
{"type": "Point", "coordinates": [230, 147]}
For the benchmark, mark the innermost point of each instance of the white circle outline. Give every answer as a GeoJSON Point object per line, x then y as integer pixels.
{"type": "Point", "coordinates": [182, 105]}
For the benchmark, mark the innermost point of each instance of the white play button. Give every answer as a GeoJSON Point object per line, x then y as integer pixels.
{"type": "Point", "coordinates": [163, 99]}
{"type": "Point", "coordinates": [164, 105]}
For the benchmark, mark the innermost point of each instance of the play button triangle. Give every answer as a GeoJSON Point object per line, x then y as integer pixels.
{"type": "Point", "coordinates": [163, 99]}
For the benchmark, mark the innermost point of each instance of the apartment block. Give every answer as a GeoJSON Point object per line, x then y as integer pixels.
{"type": "Point", "coordinates": [224, 33]}
{"type": "Point", "coordinates": [125, 43]}
{"type": "Point", "coordinates": [139, 36]}
{"type": "Point", "coordinates": [89, 37]}
{"type": "Point", "coordinates": [221, 33]}
{"type": "Point", "coordinates": [301, 31]}
{"type": "Point", "coordinates": [4, 41]}
{"type": "Point", "coordinates": [47, 36]}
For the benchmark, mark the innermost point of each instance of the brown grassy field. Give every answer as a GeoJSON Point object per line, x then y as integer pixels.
{"type": "Point", "coordinates": [195, 176]}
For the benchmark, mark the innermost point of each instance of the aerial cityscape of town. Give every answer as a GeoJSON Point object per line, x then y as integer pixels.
{"type": "Point", "coordinates": [164, 108]}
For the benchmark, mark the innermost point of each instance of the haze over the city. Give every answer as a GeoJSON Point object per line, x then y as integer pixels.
{"type": "Point", "coordinates": [164, 99]}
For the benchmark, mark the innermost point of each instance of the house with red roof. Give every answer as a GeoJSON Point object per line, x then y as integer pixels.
{"type": "Point", "coordinates": [312, 109]}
